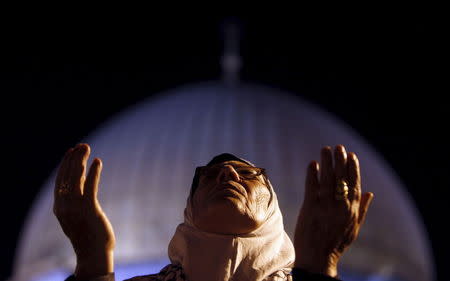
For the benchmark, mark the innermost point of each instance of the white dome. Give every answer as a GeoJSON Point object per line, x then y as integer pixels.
{"type": "Point", "coordinates": [150, 153]}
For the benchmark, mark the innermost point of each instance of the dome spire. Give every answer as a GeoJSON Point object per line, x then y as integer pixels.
{"type": "Point", "coordinates": [231, 60]}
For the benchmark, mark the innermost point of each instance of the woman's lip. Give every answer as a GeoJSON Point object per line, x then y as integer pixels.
{"type": "Point", "coordinates": [234, 187]}
{"type": "Point", "coordinates": [229, 192]}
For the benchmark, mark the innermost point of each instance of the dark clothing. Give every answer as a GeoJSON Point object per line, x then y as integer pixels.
{"type": "Point", "coordinates": [302, 275]}
{"type": "Point", "coordinates": [297, 275]}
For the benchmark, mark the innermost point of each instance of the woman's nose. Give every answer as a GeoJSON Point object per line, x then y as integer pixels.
{"type": "Point", "coordinates": [227, 173]}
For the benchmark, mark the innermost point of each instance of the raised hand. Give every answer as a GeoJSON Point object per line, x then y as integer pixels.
{"type": "Point", "coordinates": [80, 215]}
{"type": "Point", "coordinates": [333, 211]}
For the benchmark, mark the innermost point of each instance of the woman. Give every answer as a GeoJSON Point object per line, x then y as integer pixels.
{"type": "Point", "coordinates": [233, 227]}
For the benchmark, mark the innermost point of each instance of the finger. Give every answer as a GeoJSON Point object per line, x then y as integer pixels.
{"type": "Point", "coordinates": [327, 183]}
{"type": "Point", "coordinates": [62, 170]}
{"type": "Point", "coordinates": [93, 179]}
{"type": "Point", "coordinates": [354, 177]}
{"type": "Point", "coordinates": [62, 181]}
{"type": "Point", "coordinates": [366, 199]}
{"type": "Point", "coordinates": [61, 184]}
{"type": "Point", "coordinates": [312, 183]}
{"type": "Point", "coordinates": [78, 168]}
{"type": "Point", "coordinates": [340, 163]}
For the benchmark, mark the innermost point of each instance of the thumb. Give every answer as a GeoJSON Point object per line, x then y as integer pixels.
{"type": "Point", "coordinates": [311, 183]}
{"type": "Point", "coordinates": [366, 199]}
{"type": "Point", "coordinates": [93, 179]}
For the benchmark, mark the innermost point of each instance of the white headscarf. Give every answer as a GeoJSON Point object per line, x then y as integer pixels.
{"type": "Point", "coordinates": [265, 254]}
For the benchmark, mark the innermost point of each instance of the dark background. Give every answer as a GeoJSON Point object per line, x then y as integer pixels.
{"type": "Point", "coordinates": [382, 75]}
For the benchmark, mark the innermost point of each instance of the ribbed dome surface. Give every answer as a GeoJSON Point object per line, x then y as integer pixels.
{"type": "Point", "coordinates": [151, 150]}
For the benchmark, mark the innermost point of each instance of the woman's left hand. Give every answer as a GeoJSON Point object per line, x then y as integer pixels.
{"type": "Point", "coordinates": [330, 218]}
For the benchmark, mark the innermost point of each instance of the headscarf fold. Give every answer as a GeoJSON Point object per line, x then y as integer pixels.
{"type": "Point", "coordinates": [266, 253]}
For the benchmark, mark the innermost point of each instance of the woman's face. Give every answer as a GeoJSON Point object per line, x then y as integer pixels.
{"type": "Point", "coordinates": [227, 201]}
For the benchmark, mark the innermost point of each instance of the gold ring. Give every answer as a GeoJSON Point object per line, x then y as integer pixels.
{"type": "Point", "coordinates": [63, 188]}
{"type": "Point", "coordinates": [341, 190]}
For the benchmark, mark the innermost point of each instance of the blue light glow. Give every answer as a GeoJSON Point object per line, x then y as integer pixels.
{"type": "Point", "coordinates": [122, 272]}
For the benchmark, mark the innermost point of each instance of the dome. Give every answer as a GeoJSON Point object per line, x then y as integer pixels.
{"type": "Point", "coordinates": [150, 153]}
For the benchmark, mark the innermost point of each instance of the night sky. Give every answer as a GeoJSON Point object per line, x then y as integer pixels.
{"type": "Point", "coordinates": [381, 75]}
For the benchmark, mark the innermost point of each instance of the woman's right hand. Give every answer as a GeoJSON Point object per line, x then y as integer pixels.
{"type": "Point", "coordinates": [80, 215]}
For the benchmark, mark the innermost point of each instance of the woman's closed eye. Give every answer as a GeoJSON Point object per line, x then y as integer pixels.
{"type": "Point", "coordinates": [248, 172]}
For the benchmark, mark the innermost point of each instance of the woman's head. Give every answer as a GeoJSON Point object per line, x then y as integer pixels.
{"type": "Point", "coordinates": [230, 196]}
{"type": "Point", "coordinates": [233, 227]}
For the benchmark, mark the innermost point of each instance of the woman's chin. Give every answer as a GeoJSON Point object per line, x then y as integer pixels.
{"type": "Point", "coordinates": [227, 206]}
{"type": "Point", "coordinates": [228, 216]}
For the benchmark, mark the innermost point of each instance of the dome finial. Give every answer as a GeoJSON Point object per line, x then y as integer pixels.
{"type": "Point", "coordinates": [231, 61]}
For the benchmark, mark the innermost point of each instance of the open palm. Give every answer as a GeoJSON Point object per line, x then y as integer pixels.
{"type": "Point", "coordinates": [77, 208]}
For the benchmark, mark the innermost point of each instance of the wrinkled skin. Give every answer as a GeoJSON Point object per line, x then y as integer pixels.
{"type": "Point", "coordinates": [229, 204]}
{"type": "Point", "coordinates": [326, 226]}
